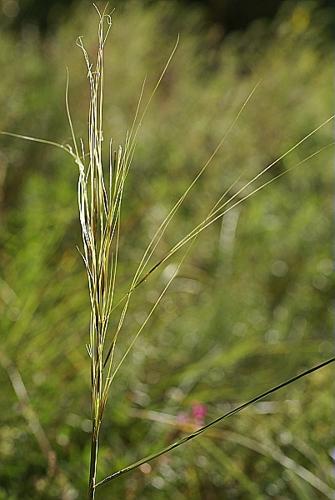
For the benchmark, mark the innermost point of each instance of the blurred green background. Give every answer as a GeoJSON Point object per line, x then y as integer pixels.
{"type": "Point", "coordinates": [252, 305]}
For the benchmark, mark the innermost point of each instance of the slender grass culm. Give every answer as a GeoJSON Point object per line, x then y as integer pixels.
{"type": "Point", "coordinates": [100, 198]}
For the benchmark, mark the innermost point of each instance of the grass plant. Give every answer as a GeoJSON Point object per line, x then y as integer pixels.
{"type": "Point", "coordinates": [101, 190]}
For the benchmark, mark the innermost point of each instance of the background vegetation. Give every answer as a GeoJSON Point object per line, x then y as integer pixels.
{"type": "Point", "coordinates": [252, 305]}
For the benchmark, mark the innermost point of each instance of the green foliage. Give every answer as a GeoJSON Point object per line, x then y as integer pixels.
{"type": "Point", "coordinates": [252, 304]}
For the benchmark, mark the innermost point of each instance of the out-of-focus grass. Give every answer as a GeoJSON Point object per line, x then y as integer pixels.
{"type": "Point", "coordinates": [253, 303]}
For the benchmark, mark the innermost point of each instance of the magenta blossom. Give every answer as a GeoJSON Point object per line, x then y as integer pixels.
{"type": "Point", "coordinates": [199, 412]}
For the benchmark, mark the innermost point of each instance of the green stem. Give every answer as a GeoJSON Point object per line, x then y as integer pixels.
{"type": "Point", "coordinates": [93, 462]}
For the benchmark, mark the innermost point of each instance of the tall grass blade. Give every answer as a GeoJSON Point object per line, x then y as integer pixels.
{"type": "Point", "coordinates": [211, 424]}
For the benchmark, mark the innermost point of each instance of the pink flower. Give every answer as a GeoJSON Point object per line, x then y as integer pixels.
{"type": "Point", "coordinates": [199, 412]}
